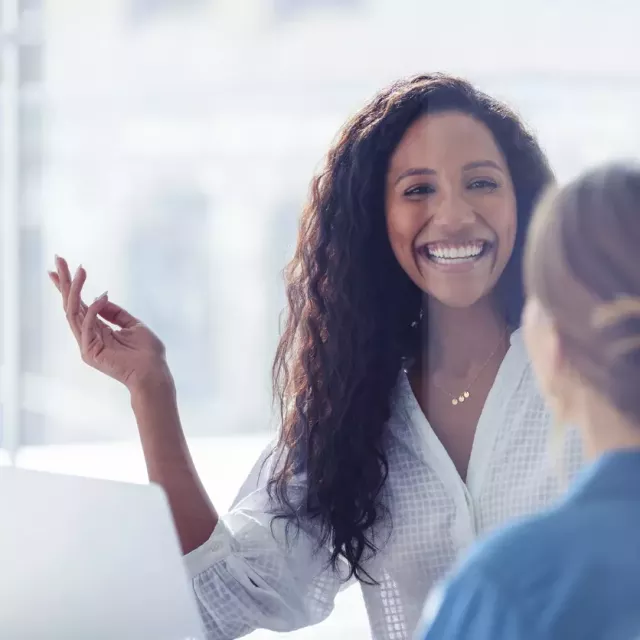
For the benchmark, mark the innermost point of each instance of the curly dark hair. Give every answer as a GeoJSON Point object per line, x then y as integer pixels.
{"type": "Point", "coordinates": [352, 314]}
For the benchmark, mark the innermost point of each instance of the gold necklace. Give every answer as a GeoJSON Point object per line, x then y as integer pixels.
{"type": "Point", "coordinates": [466, 394]}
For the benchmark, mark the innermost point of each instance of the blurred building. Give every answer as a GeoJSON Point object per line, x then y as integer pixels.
{"type": "Point", "coordinates": [23, 114]}
{"type": "Point", "coordinates": [167, 251]}
{"type": "Point", "coordinates": [168, 145]}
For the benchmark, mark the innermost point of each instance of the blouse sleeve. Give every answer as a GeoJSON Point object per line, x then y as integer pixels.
{"type": "Point", "coordinates": [251, 575]}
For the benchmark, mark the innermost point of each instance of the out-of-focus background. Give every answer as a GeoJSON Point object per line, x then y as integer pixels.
{"type": "Point", "coordinates": [168, 144]}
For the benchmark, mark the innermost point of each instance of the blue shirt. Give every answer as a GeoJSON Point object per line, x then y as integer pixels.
{"type": "Point", "coordinates": [572, 572]}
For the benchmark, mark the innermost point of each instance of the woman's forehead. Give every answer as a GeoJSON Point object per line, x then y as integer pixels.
{"type": "Point", "coordinates": [447, 138]}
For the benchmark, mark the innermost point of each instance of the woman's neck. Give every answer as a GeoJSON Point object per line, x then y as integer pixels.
{"type": "Point", "coordinates": [456, 340]}
{"type": "Point", "coordinates": [604, 428]}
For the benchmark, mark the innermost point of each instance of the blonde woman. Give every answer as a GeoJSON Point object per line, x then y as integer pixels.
{"type": "Point", "coordinates": [574, 571]}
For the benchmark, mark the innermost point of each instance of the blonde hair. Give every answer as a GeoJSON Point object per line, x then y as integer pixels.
{"type": "Point", "coordinates": [581, 263]}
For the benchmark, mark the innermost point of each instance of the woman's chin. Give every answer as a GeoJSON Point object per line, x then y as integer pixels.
{"type": "Point", "coordinates": [461, 296]}
{"type": "Point", "coordinates": [457, 302]}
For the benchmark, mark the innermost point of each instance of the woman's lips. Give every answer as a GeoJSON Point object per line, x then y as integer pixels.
{"type": "Point", "coordinates": [456, 257]}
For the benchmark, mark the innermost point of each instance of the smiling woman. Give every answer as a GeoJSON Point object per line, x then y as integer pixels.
{"type": "Point", "coordinates": [451, 207]}
{"type": "Point", "coordinates": [410, 418]}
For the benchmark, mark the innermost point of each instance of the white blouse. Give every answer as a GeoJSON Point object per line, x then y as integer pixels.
{"type": "Point", "coordinates": [249, 576]}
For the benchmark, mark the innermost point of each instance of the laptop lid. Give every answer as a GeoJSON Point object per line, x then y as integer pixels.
{"type": "Point", "coordinates": [85, 558]}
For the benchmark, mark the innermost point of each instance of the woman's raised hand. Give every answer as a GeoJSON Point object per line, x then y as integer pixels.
{"type": "Point", "coordinates": [110, 339]}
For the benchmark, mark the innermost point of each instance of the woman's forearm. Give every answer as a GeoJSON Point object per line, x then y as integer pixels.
{"type": "Point", "coordinates": [169, 462]}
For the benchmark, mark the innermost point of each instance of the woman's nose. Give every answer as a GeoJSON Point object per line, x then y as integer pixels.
{"type": "Point", "coordinates": [452, 212]}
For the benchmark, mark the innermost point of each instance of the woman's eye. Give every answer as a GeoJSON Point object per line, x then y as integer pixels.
{"type": "Point", "coordinates": [483, 183]}
{"type": "Point", "coordinates": [419, 190]}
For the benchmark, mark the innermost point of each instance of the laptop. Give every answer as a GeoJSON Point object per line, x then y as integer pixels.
{"type": "Point", "coordinates": [90, 559]}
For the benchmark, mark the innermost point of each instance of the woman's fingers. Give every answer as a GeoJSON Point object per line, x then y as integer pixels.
{"type": "Point", "coordinates": [75, 312]}
{"type": "Point", "coordinates": [117, 315]}
{"type": "Point", "coordinates": [55, 278]}
{"type": "Point", "coordinates": [64, 279]}
{"type": "Point", "coordinates": [91, 336]}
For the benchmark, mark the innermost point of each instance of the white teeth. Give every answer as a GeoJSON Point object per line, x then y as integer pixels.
{"type": "Point", "coordinates": [462, 252]}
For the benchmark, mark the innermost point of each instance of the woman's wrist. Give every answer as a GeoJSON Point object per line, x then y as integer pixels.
{"type": "Point", "coordinates": [157, 385]}
{"type": "Point", "coordinates": [155, 406]}
{"type": "Point", "coordinates": [163, 440]}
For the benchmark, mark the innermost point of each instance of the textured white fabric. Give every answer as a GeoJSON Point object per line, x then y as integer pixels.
{"type": "Point", "coordinates": [247, 576]}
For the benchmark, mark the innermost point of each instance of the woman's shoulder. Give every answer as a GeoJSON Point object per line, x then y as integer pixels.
{"type": "Point", "coordinates": [537, 554]}
{"type": "Point", "coordinates": [489, 595]}
{"type": "Point", "coordinates": [557, 565]}
{"type": "Point", "coordinates": [504, 585]}
{"type": "Point", "coordinates": [512, 555]}
{"type": "Point", "coordinates": [505, 582]}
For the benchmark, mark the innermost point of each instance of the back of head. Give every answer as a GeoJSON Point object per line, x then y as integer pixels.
{"type": "Point", "coordinates": [582, 265]}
